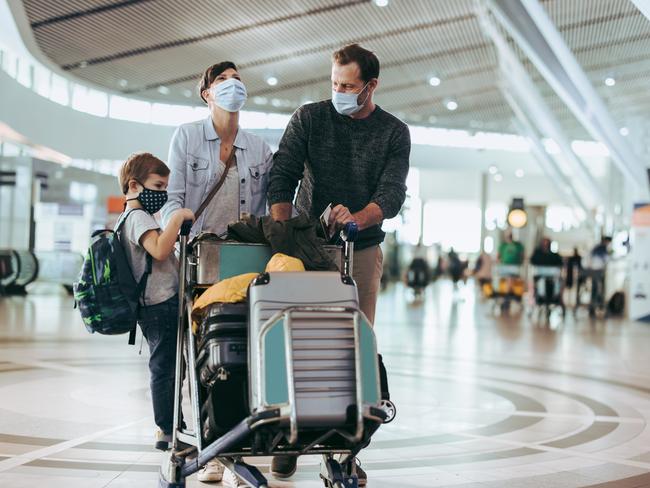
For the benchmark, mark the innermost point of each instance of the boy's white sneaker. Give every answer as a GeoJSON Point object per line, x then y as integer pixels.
{"type": "Point", "coordinates": [211, 472]}
{"type": "Point", "coordinates": [163, 441]}
{"type": "Point", "coordinates": [231, 480]}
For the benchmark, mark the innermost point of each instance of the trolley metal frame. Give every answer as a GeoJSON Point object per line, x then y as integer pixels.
{"type": "Point", "coordinates": [189, 453]}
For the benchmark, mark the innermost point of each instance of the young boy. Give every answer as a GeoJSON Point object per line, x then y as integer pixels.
{"type": "Point", "coordinates": [143, 179]}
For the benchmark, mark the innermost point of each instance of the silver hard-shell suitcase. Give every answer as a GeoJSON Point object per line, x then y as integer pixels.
{"type": "Point", "coordinates": [323, 342]}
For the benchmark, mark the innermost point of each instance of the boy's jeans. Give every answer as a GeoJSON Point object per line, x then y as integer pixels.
{"type": "Point", "coordinates": [159, 324]}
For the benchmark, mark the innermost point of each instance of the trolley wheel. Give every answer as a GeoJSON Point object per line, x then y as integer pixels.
{"type": "Point", "coordinates": [390, 409]}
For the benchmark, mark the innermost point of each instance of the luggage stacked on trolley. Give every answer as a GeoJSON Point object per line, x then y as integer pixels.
{"type": "Point", "coordinates": [293, 370]}
{"type": "Point", "coordinates": [507, 286]}
{"type": "Point", "coordinates": [548, 290]}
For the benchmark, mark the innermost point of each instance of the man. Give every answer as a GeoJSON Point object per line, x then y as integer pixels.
{"type": "Point", "coordinates": [598, 258]}
{"type": "Point", "coordinates": [510, 251]}
{"type": "Point", "coordinates": [348, 152]}
{"type": "Point", "coordinates": [546, 288]}
{"type": "Point", "coordinates": [544, 256]}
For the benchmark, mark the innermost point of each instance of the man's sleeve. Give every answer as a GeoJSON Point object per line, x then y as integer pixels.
{"type": "Point", "coordinates": [289, 160]}
{"type": "Point", "coordinates": [177, 162]}
{"type": "Point", "coordinates": [391, 190]}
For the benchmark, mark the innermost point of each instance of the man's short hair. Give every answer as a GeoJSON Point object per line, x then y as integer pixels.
{"type": "Point", "coordinates": [138, 167]}
{"type": "Point", "coordinates": [211, 73]}
{"type": "Point", "coordinates": [367, 61]}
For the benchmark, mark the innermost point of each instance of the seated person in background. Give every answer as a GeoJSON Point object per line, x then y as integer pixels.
{"type": "Point", "coordinates": [543, 256]}
{"type": "Point", "coordinates": [483, 269]}
{"type": "Point", "coordinates": [510, 251]}
{"type": "Point", "coordinates": [546, 288]}
{"type": "Point", "coordinates": [573, 268]}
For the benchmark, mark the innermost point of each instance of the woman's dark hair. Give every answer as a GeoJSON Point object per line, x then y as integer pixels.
{"type": "Point", "coordinates": [211, 74]}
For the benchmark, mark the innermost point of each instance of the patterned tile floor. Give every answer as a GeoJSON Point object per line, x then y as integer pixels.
{"type": "Point", "coordinates": [483, 401]}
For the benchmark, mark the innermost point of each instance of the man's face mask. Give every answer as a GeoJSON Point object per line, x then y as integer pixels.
{"type": "Point", "coordinates": [151, 200]}
{"type": "Point", "coordinates": [230, 95]}
{"type": "Point", "coordinates": [346, 103]}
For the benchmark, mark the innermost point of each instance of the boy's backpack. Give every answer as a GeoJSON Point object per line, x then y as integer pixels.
{"type": "Point", "coordinates": [107, 294]}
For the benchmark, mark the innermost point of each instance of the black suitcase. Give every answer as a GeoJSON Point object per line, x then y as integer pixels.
{"type": "Point", "coordinates": [223, 342]}
{"type": "Point", "coordinates": [225, 405]}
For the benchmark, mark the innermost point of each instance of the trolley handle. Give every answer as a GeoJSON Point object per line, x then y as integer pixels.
{"type": "Point", "coordinates": [186, 226]}
{"type": "Point", "coordinates": [348, 235]}
{"type": "Point", "coordinates": [349, 232]}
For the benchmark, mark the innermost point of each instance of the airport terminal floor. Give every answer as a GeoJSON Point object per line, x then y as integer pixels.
{"type": "Point", "coordinates": [483, 400]}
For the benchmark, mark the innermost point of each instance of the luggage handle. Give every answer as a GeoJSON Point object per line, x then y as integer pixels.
{"type": "Point", "coordinates": [186, 226]}
{"type": "Point", "coordinates": [349, 232]}
{"type": "Point", "coordinates": [348, 235]}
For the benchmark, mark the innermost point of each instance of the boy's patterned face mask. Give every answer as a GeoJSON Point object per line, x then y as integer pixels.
{"type": "Point", "coordinates": [151, 200]}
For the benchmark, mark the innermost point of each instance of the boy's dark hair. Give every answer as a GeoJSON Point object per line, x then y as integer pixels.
{"type": "Point", "coordinates": [367, 61]}
{"type": "Point", "coordinates": [138, 167]}
{"type": "Point", "coordinates": [210, 74]}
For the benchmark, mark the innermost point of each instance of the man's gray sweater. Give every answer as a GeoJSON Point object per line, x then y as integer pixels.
{"type": "Point", "coordinates": [341, 160]}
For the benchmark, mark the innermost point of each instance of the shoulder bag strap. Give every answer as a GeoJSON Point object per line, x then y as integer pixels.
{"type": "Point", "coordinates": [216, 187]}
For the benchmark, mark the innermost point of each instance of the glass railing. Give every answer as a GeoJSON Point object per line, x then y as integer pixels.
{"type": "Point", "coordinates": [44, 82]}
{"type": "Point", "coordinates": [33, 75]}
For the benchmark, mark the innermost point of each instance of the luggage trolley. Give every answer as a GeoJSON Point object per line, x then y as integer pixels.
{"type": "Point", "coordinates": [507, 286]}
{"type": "Point", "coordinates": [547, 290]}
{"type": "Point", "coordinates": [312, 374]}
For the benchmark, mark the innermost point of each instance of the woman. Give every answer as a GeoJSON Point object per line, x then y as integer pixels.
{"type": "Point", "coordinates": [200, 150]}
{"type": "Point", "coordinates": [199, 154]}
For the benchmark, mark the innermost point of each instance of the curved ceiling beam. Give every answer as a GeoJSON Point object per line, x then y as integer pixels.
{"type": "Point", "coordinates": [548, 164]}
{"type": "Point", "coordinates": [527, 22]}
{"type": "Point", "coordinates": [535, 105]}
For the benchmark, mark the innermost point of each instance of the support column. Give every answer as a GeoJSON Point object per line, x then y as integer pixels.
{"type": "Point", "coordinates": [484, 198]}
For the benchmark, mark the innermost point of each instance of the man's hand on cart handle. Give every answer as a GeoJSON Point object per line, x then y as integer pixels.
{"type": "Point", "coordinates": [339, 216]}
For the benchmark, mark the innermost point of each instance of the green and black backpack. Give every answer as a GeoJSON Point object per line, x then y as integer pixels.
{"type": "Point", "coordinates": [107, 294]}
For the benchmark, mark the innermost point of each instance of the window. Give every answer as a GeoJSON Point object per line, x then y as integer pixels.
{"type": "Point", "coordinates": [59, 90]}
{"type": "Point", "coordinates": [83, 192]}
{"type": "Point", "coordinates": [409, 230]}
{"type": "Point", "coordinates": [166, 114]}
{"type": "Point", "coordinates": [253, 120]}
{"type": "Point", "coordinates": [488, 244]}
{"type": "Point", "coordinates": [560, 218]}
{"type": "Point", "coordinates": [90, 101]}
{"type": "Point", "coordinates": [277, 121]}
{"type": "Point", "coordinates": [413, 182]}
{"type": "Point", "coordinates": [24, 73]}
{"type": "Point", "coordinates": [42, 77]}
{"type": "Point", "coordinates": [129, 109]}
{"type": "Point", "coordinates": [454, 224]}
{"type": "Point", "coordinates": [495, 216]}
{"type": "Point", "coordinates": [10, 63]}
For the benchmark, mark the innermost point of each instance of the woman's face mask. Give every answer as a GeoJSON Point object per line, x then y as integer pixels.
{"type": "Point", "coordinates": [346, 103]}
{"type": "Point", "coordinates": [229, 95]}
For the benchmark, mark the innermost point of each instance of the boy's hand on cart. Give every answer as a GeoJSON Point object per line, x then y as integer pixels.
{"type": "Point", "coordinates": [183, 214]}
{"type": "Point", "coordinates": [339, 216]}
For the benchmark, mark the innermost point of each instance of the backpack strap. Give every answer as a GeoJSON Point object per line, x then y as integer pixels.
{"type": "Point", "coordinates": [142, 284]}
